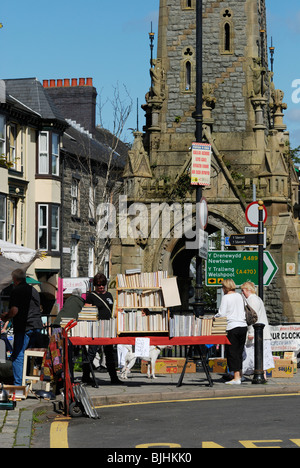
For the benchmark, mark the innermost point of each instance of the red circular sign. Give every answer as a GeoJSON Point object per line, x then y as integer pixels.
{"type": "Point", "coordinates": [252, 214]}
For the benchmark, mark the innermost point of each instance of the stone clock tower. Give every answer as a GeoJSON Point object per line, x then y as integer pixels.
{"type": "Point", "coordinates": [243, 120]}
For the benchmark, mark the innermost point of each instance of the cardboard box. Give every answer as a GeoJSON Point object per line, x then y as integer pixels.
{"type": "Point", "coordinates": [217, 365]}
{"type": "Point", "coordinates": [170, 366]}
{"type": "Point", "coordinates": [284, 369]}
{"type": "Point", "coordinates": [293, 358]}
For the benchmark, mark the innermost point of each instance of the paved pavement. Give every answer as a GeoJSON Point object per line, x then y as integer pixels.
{"type": "Point", "coordinates": [16, 425]}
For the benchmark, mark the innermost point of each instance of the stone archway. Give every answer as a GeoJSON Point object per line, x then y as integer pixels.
{"type": "Point", "coordinates": [172, 255]}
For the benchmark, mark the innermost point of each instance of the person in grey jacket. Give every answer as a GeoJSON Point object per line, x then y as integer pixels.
{"type": "Point", "coordinates": [249, 292]}
{"type": "Point", "coordinates": [71, 308]}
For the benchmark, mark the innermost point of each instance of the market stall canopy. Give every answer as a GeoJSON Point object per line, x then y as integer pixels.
{"type": "Point", "coordinates": [13, 257]}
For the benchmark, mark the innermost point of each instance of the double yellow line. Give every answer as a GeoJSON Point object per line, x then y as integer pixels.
{"type": "Point", "coordinates": [59, 428]}
{"type": "Point", "coordinates": [59, 433]}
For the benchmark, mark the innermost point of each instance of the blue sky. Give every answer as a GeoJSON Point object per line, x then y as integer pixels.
{"type": "Point", "coordinates": [109, 42]}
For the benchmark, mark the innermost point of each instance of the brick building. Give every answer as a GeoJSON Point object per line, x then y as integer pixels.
{"type": "Point", "coordinates": [88, 154]}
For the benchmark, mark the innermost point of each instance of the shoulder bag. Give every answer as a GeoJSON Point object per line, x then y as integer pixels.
{"type": "Point", "coordinates": [251, 315]}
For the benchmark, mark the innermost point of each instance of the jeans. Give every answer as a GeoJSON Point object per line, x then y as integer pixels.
{"type": "Point", "coordinates": [22, 341]}
{"type": "Point", "coordinates": [7, 343]}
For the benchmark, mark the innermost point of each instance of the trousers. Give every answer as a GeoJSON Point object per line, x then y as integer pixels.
{"type": "Point", "coordinates": [22, 341]}
{"type": "Point", "coordinates": [110, 362]}
{"type": "Point", "coordinates": [237, 337]}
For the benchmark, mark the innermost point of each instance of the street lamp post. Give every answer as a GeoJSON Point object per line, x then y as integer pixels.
{"type": "Point", "coordinates": [198, 116]}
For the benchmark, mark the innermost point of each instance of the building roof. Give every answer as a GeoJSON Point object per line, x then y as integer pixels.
{"type": "Point", "coordinates": [78, 142]}
{"type": "Point", "coordinates": [29, 94]}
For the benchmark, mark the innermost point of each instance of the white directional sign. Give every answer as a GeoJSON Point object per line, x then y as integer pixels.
{"type": "Point", "coordinates": [270, 268]}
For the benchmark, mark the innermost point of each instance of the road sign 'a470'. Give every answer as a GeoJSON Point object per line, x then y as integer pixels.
{"type": "Point", "coordinates": [239, 266]}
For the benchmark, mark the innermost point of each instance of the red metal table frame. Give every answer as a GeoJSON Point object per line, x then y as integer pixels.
{"type": "Point", "coordinates": [190, 341]}
{"type": "Point", "coordinates": [154, 340]}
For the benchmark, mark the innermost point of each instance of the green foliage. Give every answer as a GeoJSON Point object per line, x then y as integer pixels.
{"type": "Point", "coordinates": [179, 190]}
{"type": "Point", "coordinates": [5, 163]}
{"type": "Point", "coordinates": [295, 155]}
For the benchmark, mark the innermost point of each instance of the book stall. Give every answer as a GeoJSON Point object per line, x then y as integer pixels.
{"type": "Point", "coordinates": [143, 308]}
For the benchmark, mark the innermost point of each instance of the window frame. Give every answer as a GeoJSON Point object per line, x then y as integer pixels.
{"type": "Point", "coordinates": [11, 217]}
{"type": "Point", "coordinates": [55, 156]}
{"type": "Point", "coordinates": [3, 140]}
{"type": "Point", "coordinates": [74, 258]}
{"type": "Point", "coordinates": [48, 168]}
{"type": "Point", "coordinates": [49, 227]}
{"type": "Point", "coordinates": [3, 222]}
{"type": "Point", "coordinates": [44, 153]}
{"type": "Point", "coordinates": [91, 261]}
{"type": "Point", "coordinates": [75, 197]}
{"type": "Point", "coordinates": [55, 229]}
{"type": "Point", "coordinates": [12, 144]}
{"type": "Point", "coordinates": [43, 227]}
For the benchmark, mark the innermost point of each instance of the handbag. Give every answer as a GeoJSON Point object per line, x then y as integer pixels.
{"type": "Point", "coordinates": [251, 315]}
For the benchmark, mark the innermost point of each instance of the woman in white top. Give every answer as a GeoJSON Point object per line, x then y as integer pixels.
{"type": "Point", "coordinates": [232, 307]}
{"type": "Point", "coordinates": [257, 304]}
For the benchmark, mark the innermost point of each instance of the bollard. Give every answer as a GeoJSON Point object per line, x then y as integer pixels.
{"type": "Point", "coordinates": [259, 377]}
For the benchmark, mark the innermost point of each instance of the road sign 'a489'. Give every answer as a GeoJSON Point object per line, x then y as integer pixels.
{"type": "Point", "coordinates": [239, 266]}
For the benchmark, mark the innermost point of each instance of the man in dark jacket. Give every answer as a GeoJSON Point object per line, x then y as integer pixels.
{"type": "Point", "coordinates": [25, 311]}
{"type": "Point", "coordinates": [101, 298]}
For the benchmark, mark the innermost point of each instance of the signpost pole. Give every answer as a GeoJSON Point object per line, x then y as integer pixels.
{"type": "Point", "coordinates": [261, 249]}
{"type": "Point", "coordinates": [259, 327]}
{"type": "Point", "coordinates": [198, 116]}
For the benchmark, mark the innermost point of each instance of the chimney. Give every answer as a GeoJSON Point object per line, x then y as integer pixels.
{"type": "Point", "coordinates": [75, 101]}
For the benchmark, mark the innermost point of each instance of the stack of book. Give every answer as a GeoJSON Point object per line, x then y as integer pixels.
{"type": "Point", "coordinates": [219, 326]}
{"type": "Point", "coordinates": [88, 313]}
{"type": "Point", "coordinates": [185, 324]}
{"type": "Point", "coordinates": [146, 299]}
{"type": "Point", "coordinates": [136, 321]}
{"type": "Point", "coordinates": [64, 322]}
{"type": "Point", "coordinates": [206, 326]}
{"type": "Point", "coordinates": [141, 280]}
{"type": "Point", "coordinates": [95, 329]}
